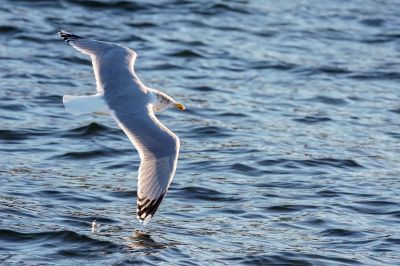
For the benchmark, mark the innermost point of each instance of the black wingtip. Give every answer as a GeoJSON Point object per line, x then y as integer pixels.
{"type": "Point", "coordinates": [67, 36]}
{"type": "Point", "coordinates": [147, 208]}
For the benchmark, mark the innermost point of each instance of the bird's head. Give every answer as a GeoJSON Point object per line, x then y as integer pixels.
{"type": "Point", "coordinates": [163, 101]}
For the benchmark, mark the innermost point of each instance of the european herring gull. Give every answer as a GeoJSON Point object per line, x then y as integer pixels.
{"type": "Point", "coordinates": [133, 105]}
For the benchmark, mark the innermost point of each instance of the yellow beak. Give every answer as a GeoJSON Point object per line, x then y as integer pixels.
{"type": "Point", "coordinates": [180, 106]}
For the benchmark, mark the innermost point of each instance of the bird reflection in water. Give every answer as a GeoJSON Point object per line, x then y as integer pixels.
{"type": "Point", "coordinates": [140, 239]}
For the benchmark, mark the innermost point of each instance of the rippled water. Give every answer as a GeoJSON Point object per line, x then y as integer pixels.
{"type": "Point", "coordinates": [290, 143]}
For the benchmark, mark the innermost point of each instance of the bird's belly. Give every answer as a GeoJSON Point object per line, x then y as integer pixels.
{"type": "Point", "coordinates": [130, 102]}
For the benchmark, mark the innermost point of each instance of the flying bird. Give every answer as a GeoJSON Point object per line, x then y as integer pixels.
{"type": "Point", "coordinates": [132, 105]}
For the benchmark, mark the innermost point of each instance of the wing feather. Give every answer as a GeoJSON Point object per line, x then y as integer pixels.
{"type": "Point", "coordinates": [158, 148]}
{"type": "Point", "coordinates": [105, 56]}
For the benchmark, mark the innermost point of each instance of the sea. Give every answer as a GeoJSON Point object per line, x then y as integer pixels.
{"type": "Point", "coordinates": [289, 142]}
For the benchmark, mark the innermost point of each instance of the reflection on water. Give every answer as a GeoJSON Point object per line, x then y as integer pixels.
{"type": "Point", "coordinates": [142, 240]}
{"type": "Point", "coordinates": [94, 226]}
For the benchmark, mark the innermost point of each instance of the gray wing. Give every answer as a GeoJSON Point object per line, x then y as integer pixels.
{"type": "Point", "coordinates": [158, 148]}
{"type": "Point", "coordinates": [106, 57]}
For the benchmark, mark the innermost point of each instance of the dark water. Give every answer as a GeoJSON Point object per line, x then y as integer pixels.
{"type": "Point", "coordinates": [290, 144]}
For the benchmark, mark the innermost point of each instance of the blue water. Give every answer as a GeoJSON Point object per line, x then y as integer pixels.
{"type": "Point", "coordinates": [289, 145]}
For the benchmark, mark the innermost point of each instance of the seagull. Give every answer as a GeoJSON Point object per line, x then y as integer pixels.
{"type": "Point", "coordinates": [132, 105]}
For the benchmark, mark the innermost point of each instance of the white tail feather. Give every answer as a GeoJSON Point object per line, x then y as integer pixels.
{"type": "Point", "coordinates": [78, 105]}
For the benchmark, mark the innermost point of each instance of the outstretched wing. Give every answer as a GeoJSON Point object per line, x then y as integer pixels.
{"type": "Point", "coordinates": [105, 56]}
{"type": "Point", "coordinates": [158, 148]}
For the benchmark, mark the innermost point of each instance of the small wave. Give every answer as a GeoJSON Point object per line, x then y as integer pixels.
{"type": "Point", "coordinates": [201, 193]}
{"type": "Point", "coordinates": [291, 185]}
{"type": "Point", "coordinates": [248, 215]}
{"type": "Point", "coordinates": [48, 99]}
{"type": "Point", "coordinates": [68, 196]}
{"type": "Point", "coordinates": [41, 3]}
{"type": "Point", "coordinates": [65, 237]}
{"type": "Point", "coordinates": [265, 33]}
{"type": "Point", "coordinates": [392, 240]}
{"type": "Point", "coordinates": [203, 88]}
{"type": "Point", "coordinates": [378, 203]}
{"type": "Point", "coordinates": [313, 222]}
{"type": "Point", "coordinates": [18, 212]}
{"type": "Point", "coordinates": [76, 60]}
{"type": "Point", "coordinates": [232, 8]}
{"type": "Point", "coordinates": [246, 169]}
{"type": "Point", "coordinates": [130, 194]}
{"type": "Point", "coordinates": [31, 38]}
{"type": "Point", "coordinates": [17, 76]}
{"type": "Point", "coordinates": [128, 165]}
{"type": "Point", "coordinates": [92, 128]}
{"type": "Point", "coordinates": [395, 135]}
{"type": "Point", "coordinates": [341, 233]}
{"type": "Point", "coordinates": [213, 131]}
{"type": "Point", "coordinates": [327, 193]}
{"type": "Point", "coordinates": [375, 207]}
{"type": "Point", "coordinates": [165, 66]}
{"type": "Point", "coordinates": [86, 221]}
{"type": "Point", "coordinates": [309, 119]}
{"type": "Point", "coordinates": [188, 43]}
{"type": "Point", "coordinates": [220, 8]}
{"type": "Point", "coordinates": [397, 111]}
{"type": "Point", "coordinates": [330, 70]}
{"type": "Point", "coordinates": [9, 29]}
{"type": "Point", "coordinates": [328, 100]}
{"type": "Point", "coordinates": [290, 208]}
{"type": "Point", "coordinates": [373, 22]}
{"type": "Point", "coordinates": [338, 163]}
{"type": "Point", "coordinates": [332, 162]}
{"type": "Point", "coordinates": [22, 134]}
{"type": "Point", "coordinates": [376, 75]}
{"type": "Point", "coordinates": [293, 258]}
{"type": "Point", "coordinates": [98, 153]}
{"type": "Point", "coordinates": [144, 24]}
{"type": "Point", "coordinates": [381, 38]}
{"type": "Point", "coordinates": [272, 65]}
{"type": "Point", "coordinates": [231, 114]}
{"type": "Point", "coordinates": [123, 5]}
{"type": "Point", "coordinates": [186, 53]}
{"type": "Point", "coordinates": [12, 107]}
{"type": "Point", "coordinates": [129, 38]}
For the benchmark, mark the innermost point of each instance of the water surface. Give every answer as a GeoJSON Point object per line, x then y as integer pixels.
{"type": "Point", "coordinates": [289, 146]}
